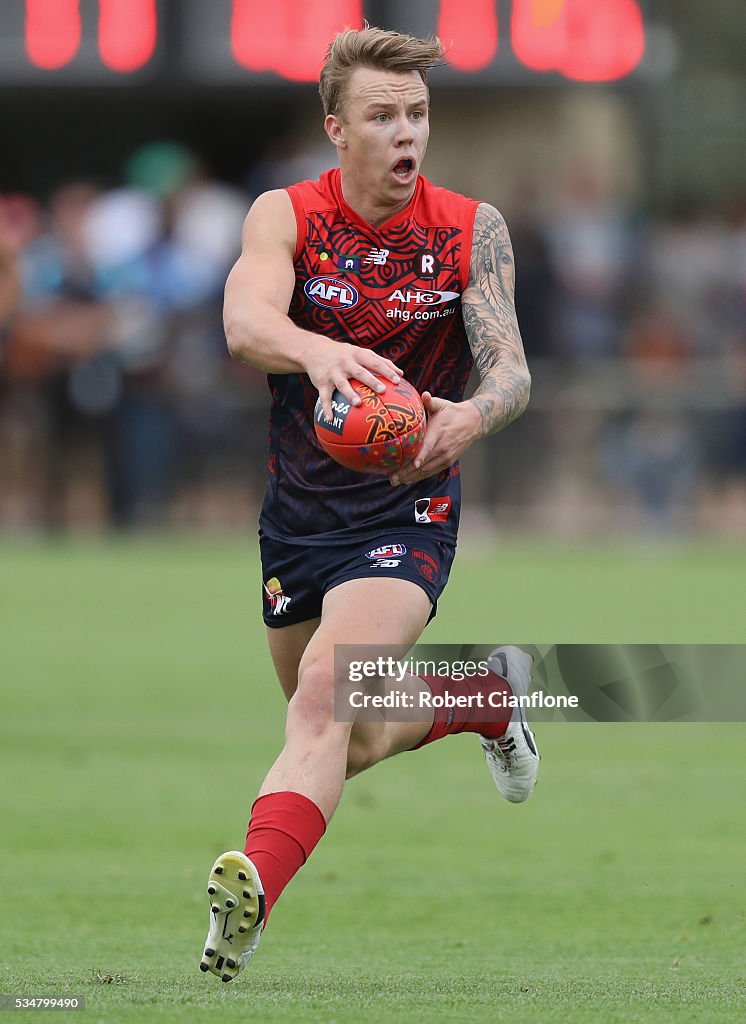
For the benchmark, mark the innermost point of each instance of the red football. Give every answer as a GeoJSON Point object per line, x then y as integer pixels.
{"type": "Point", "coordinates": [377, 435]}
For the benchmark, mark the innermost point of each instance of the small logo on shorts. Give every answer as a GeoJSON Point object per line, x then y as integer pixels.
{"type": "Point", "coordinates": [388, 556]}
{"type": "Point", "coordinates": [427, 566]}
{"type": "Point", "coordinates": [278, 601]}
{"type": "Point", "coordinates": [387, 551]}
{"type": "Point", "coordinates": [432, 510]}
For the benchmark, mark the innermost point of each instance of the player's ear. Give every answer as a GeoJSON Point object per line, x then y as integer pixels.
{"type": "Point", "coordinates": [335, 131]}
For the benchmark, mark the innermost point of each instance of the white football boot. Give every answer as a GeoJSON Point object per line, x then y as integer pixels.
{"type": "Point", "coordinates": [236, 915]}
{"type": "Point", "coordinates": [513, 759]}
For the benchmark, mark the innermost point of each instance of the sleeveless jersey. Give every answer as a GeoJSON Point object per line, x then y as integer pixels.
{"type": "Point", "coordinates": [395, 289]}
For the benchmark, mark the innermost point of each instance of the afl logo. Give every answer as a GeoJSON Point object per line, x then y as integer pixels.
{"type": "Point", "coordinates": [331, 293]}
{"type": "Point", "coordinates": [387, 551]}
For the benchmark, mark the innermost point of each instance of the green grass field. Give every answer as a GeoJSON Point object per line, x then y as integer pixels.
{"type": "Point", "coordinates": [138, 713]}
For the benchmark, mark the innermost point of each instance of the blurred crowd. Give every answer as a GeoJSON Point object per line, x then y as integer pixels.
{"type": "Point", "coordinates": [120, 406]}
{"type": "Point", "coordinates": [114, 369]}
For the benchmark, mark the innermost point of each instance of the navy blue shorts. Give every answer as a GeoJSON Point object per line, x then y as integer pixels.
{"type": "Point", "coordinates": [295, 578]}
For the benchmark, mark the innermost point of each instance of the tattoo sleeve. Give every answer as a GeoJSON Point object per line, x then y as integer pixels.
{"type": "Point", "coordinates": [491, 326]}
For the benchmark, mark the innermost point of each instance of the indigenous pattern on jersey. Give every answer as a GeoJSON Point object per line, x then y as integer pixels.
{"type": "Point", "coordinates": [395, 289]}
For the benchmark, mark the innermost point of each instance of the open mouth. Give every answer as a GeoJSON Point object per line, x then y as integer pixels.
{"type": "Point", "coordinates": [403, 169]}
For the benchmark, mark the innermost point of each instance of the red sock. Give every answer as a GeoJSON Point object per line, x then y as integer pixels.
{"type": "Point", "coordinates": [486, 720]}
{"type": "Point", "coordinates": [283, 830]}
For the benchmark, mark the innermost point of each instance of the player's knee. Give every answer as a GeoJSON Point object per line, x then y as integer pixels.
{"type": "Point", "coordinates": [311, 708]}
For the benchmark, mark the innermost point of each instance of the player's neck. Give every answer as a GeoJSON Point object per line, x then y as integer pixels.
{"type": "Point", "coordinates": [374, 210]}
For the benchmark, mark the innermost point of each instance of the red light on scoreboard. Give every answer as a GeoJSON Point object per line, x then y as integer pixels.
{"type": "Point", "coordinates": [220, 40]}
{"type": "Point", "coordinates": [287, 37]}
{"type": "Point", "coordinates": [52, 32]}
{"type": "Point", "coordinates": [127, 32]}
{"type": "Point", "coordinates": [586, 40]}
{"type": "Point", "coordinates": [470, 26]}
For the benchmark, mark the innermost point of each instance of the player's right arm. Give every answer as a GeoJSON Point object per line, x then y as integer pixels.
{"type": "Point", "coordinates": [257, 298]}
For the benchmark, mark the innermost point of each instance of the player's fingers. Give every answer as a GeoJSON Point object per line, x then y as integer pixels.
{"type": "Point", "coordinates": [410, 474]}
{"type": "Point", "coordinates": [343, 385]}
{"type": "Point", "coordinates": [433, 436]}
{"type": "Point", "coordinates": [424, 464]}
{"type": "Point", "coordinates": [381, 365]}
{"type": "Point", "coordinates": [325, 397]}
{"type": "Point", "coordinates": [432, 403]}
{"type": "Point", "coordinates": [383, 361]}
{"type": "Point", "coordinates": [421, 458]}
{"type": "Point", "coordinates": [366, 377]}
{"type": "Point", "coordinates": [407, 476]}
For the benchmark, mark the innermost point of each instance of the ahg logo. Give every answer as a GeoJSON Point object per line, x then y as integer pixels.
{"type": "Point", "coordinates": [418, 296]}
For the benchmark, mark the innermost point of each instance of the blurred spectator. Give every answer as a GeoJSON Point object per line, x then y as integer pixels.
{"type": "Point", "coordinates": [591, 246]}
{"type": "Point", "coordinates": [10, 278]}
{"type": "Point", "coordinates": [287, 160]}
{"type": "Point", "coordinates": [184, 276]}
{"type": "Point", "coordinates": [122, 305]}
{"type": "Point", "coordinates": [536, 289]}
{"type": "Point", "coordinates": [690, 269]}
{"type": "Point", "coordinates": [654, 458]}
{"type": "Point", "coordinates": [59, 333]}
{"type": "Point", "coordinates": [733, 462]}
{"type": "Point", "coordinates": [658, 347]}
{"type": "Point", "coordinates": [171, 275]}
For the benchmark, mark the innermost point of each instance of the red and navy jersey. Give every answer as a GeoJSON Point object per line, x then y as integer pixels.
{"type": "Point", "coordinates": [395, 289]}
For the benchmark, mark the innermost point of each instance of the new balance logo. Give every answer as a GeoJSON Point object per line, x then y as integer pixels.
{"type": "Point", "coordinates": [377, 256]}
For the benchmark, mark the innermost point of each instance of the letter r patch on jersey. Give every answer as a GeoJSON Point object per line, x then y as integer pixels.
{"type": "Point", "coordinates": [427, 264]}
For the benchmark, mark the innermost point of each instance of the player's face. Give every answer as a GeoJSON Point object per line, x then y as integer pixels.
{"type": "Point", "coordinates": [382, 131]}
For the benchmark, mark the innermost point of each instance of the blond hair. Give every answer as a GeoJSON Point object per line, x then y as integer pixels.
{"type": "Point", "coordinates": [372, 48]}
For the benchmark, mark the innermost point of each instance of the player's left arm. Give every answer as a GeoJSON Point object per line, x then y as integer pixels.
{"type": "Point", "coordinates": [488, 309]}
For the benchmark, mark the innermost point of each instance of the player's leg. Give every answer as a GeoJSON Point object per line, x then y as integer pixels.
{"type": "Point", "coordinates": [359, 611]}
{"type": "Point", "coordinates": [238, 909]}
{"type": "Point", "coordinates": [370, 741]}
{"type": "Point", "coordinates": [508, 744]}
{"type": "Point", "coordinates": [303, 787]}
{"type": "Point", "coordinates": [286, 821]}
{"type": "Point", "coordinates": [292, 608]}
{"type": "Point", "coordinates": [507, 741]}
{"type": "Point", "coordinates": [287, 646]}
{"type": "Point", "coordinates": [424, 559]}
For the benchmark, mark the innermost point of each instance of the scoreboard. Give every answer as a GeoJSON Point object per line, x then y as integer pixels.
{"type": "Point", "coordinates": [264, 42]}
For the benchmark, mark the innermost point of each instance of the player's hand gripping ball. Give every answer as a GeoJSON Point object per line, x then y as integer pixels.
{"type": "Point", "coordinates": [378, 435]}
